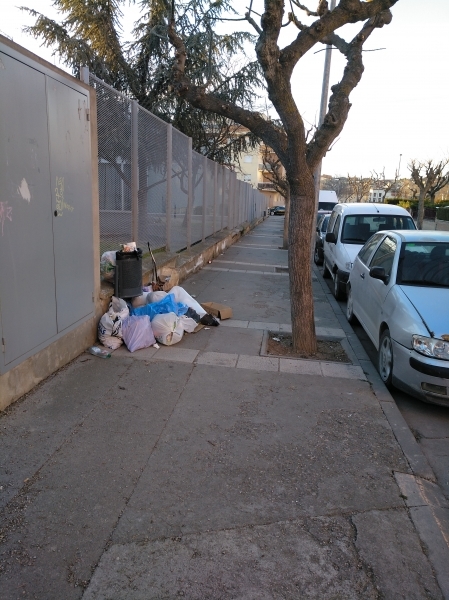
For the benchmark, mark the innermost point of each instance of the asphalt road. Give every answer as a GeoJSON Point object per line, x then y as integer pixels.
{"type": "Point", "coordinates": [429, 423]}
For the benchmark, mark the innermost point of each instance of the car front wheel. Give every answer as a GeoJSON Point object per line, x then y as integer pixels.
{"type": "Point", "coordinates": [386, 358]}
{"type": "Point", "coordinates": [338, 294]}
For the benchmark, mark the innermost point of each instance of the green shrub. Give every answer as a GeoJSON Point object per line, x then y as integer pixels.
{"type": "Point", "coordinates": [443, 213]}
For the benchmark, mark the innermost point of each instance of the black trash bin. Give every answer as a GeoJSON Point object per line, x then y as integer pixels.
{"type": "Point", "coordinates": [128, 274]}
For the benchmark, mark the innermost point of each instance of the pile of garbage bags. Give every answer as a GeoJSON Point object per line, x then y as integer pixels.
{"type": "Point", "coordinates": [150, 318]}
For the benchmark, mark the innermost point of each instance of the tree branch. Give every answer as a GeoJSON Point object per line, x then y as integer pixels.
{"type": "Point", "coordinates": [339, 104]}
{"type": "Point", "coordinates": [197, 97]}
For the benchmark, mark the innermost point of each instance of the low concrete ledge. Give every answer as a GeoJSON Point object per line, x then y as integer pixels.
{"type": "Point", "coordinates": [179, 266]}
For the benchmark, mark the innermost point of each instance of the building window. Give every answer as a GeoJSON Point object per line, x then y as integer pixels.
{"type": "Point", "coordinates": [248, 158]}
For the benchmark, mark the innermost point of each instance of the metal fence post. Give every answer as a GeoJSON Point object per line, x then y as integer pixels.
{"type": "Point", "coordinates": [223, 191]}
{"type": "Point", "coordinates": [135, 170]}
{"type": "Point", "coordinates": [204, 208]}
{"type": "Point", "coordinates": [215, 193]}
{"type": "Point", "coordinates": [168, 199]}
{"type": "Point", "coordinates": [189, 193]}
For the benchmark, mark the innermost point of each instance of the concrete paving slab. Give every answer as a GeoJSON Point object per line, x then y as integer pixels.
{"type": "Point", "coordinates": [342, 370]}
{"type": "Point", "coordinates": [236, 340]}
{"type": "Point", "coordinates": [329, 332]}
{"type": "Point", "coordinates": [221, 359]}
{"type": "Point", "coordinates": [245, 448]}
{"type": "Point", "coordinates": [263, 325]}
{"type": "Point", "coordinates": [291, 560]}
{"type": "Point", "coordinates": [172, 353]}
{"type": "Point", "coordinates": [400, 570]}
{"type": "Point", "coordinates": [263, 363]}
{"type": "Point", "coordinates": [142, 354]}
{"type": "Point", "coordinates": [234, 323]}
{"type": "Point", "coordinates": [34, 428]}
{"type": "Point", "coordinates": [62, 517]}
{"type": "Point", "coordinates": [300, 367]}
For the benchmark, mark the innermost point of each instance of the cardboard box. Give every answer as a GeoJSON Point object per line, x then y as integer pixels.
{"type": "Point", "coordinates": [218, 310]}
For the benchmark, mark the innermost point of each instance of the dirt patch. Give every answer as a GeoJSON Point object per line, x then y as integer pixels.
{"type": "Point", "coordinates": [280, 344]}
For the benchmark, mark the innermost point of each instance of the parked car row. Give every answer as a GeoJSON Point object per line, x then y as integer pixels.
{"type": "Point", "coordinates": [397, 286]}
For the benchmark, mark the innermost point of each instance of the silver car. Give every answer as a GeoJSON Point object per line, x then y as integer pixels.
{"type": "Point", "coordinates": [399, 291]}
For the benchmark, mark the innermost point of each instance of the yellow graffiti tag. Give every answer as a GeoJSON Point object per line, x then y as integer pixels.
{"type": "Point", "coordinates": [60, 202]}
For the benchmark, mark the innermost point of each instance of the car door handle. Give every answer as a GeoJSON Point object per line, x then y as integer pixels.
{"type": "Point", "coordinates": [362, 275]}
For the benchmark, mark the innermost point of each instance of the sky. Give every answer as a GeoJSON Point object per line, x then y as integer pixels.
{"type": "Point", "coordinates": [398, 109]}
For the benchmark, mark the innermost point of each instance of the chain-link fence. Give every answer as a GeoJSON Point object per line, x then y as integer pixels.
{"type": "Point", "coordinates": [153, 187]}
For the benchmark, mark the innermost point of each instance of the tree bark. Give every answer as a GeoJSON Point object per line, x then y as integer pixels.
{"type": "Point", "coordinates": [302, 209]}
{"type": "Point", "coordinates": [422, 195]}
{"type": "Point", "coordinates": [286, 221]}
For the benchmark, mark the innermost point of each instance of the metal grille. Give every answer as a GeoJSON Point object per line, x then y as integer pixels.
{"type": "Point", "coordinates": [153, 187]}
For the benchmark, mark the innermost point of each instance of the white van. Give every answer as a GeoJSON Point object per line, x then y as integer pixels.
{"type": "Point", "coordinates": [327, 199]}
{"type": "Point", "coordinates": [349, 227]}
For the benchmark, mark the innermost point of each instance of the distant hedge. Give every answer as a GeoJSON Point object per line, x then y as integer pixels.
{"type": "Point", "coordinates": [443, 213]}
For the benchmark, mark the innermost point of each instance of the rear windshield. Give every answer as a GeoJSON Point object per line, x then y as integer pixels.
{"type": "Point", "coordinates": [357, 229]}
{"type": "Point", "coordinates": [326, 205]}
{"type": "Point", "coordinates": [424, 264]}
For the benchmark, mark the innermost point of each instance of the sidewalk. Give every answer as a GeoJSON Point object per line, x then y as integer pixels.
{"type": "Point", "coordinates": [208, 471]}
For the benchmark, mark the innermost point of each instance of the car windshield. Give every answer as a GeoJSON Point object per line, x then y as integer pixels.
{"type": "Point", "coordinates": [424, 264]}
{"type": "Point", "coordinates": [357, 229]}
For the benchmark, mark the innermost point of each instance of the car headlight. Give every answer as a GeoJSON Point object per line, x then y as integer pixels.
{"type": "Point", "coordinates": [431, 347]}
{"type": "Point", "coordinates": [349, 265]}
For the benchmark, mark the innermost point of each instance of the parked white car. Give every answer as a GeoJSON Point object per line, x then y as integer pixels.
{"type": "Point", "coordinates": [399, 291]}
{"type": "Point", "coordinates": [350, 226]}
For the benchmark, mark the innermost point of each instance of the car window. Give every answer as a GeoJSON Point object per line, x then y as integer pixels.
{"type": "Point", "coordinates": [324, 223]}
{"type": "Point", "coordinates": [424, 263]}
{"type": "Point", "coordinates": [384, 255]}
{"type": "Point", "coordinates": [332, 220]}
{"type": "Point", "coordinates": [336, 226]}
{"type": "Point", "coordinates": [367, 250]}
{"type": "Point", "coordinates": [357, 229]}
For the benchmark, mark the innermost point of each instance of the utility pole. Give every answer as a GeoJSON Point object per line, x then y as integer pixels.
{"type": "Point", "coordinates": [323, 106]}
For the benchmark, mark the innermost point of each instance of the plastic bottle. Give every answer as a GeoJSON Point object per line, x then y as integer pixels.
{"type": "Point", "coordinates": [96, 351]}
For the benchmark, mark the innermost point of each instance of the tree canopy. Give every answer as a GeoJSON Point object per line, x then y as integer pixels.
{"type": "Point", "coordinates": [89, 34]}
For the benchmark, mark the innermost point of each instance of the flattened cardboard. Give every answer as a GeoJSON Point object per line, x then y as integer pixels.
{"type": "Point", "coordinates": [218, 310]}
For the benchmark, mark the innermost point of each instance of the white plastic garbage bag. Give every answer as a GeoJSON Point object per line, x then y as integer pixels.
{"type": "Point", "coordinates": [107, 265]}
{"type": "Point", "coordinates": [156, 296]}
{"type": "Point", "coordinates": [167, 328]}
{"type": "Point", "coordinates": [137, 332]}
{"type": "Point", "coordinates": [188, 324]}
{"type": "Point", "coordinates": [110, 325]}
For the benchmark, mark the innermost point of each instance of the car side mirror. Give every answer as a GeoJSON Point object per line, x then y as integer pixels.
{"type": "Point", "coordinates": [378, 273]}
{"type": "Point", "coordinates": [330, 237]}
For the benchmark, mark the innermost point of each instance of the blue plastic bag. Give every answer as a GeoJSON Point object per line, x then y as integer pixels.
{"type": "Point", "coordinates": [166, 305]}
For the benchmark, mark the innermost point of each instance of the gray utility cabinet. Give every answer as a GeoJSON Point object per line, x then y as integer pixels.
{"type": "Point", "coordinates": [46, 245]}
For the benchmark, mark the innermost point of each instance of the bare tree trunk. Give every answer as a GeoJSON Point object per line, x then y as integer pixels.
{"type": "Point", "coordinates": [286, 220]}
{"type": "Point", "coordinates": [422, 195]}
{"type": "Point", "coordinates": [302, 204]}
